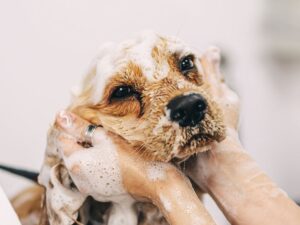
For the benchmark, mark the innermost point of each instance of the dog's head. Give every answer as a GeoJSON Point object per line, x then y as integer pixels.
{"type": "Point", "coordinates": [152, 91]}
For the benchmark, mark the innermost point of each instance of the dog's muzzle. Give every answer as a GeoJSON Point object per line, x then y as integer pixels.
{"type": "Point", "coordinates": [187, 110]}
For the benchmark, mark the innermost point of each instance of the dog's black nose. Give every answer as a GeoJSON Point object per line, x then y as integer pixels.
{"type": "Point", "coordinates": [187, 110]}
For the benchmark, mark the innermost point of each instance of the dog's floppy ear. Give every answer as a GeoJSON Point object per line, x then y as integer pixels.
{"type": "Point", "coordinates": [27, 204]}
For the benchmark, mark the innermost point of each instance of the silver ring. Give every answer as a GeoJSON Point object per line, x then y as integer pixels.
{"type": "Point", "coordinates": [89, 132]}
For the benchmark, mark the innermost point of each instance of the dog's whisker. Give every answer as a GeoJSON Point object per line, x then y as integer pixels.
{"type": "Point", "coordinates": [150, 82]}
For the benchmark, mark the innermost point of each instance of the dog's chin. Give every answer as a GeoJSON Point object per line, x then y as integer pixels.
{"type": "Point", "coordinates": [197, 143]}
{"type": "Point", "coordinates": [200, 138]}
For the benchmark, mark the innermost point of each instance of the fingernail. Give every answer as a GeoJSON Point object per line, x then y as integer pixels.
{"type": "Point", "coordinates": [65, 119]}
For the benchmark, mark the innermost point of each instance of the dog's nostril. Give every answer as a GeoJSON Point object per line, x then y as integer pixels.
{"type": "Point", "coordinates": [187, 110]}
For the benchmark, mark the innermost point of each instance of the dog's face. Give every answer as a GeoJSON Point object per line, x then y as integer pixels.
{"type": "Point", "coordinates": [152, 92]}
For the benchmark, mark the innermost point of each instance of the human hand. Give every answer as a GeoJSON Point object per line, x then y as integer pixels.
{"type": "Point", "coordinates": [202, 168]}
{"type": "Point", "coordinates": [113, 161]}
{"type": "Point", "coordinates": [244, 193]}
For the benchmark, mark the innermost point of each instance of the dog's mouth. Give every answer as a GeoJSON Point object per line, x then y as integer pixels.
{"type": "Point", "coordinates": [181, 142]}
{"type": "Point", "coordinates": [196, 143]}
{"type": "Point", "coordinates": [198, 140]}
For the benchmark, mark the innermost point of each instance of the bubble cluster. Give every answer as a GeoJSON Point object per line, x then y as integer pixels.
{"type": "Point", "coordinates": [156, 171]}
{"type": "Point", "coordinates": [97, 171]}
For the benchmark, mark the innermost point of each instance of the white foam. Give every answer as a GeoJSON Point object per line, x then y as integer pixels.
{"type": "Point", "coordinates": [96, 173]}
{"type": "Point", "coordinates": [175, 149]}
{"type": "Point", "coordinates": [168, 113]}
{"type": "Point", "coordinates": [96, 170]}
{"type": "Point", "coordinates": [189, 208]}
{"type": "Point", "coordinates": [113, 57]}
{"type": "Point", "coordinates": [156, 171]}
{"type": "Point", "coordinates": [123, 213]}
{"type": "Point", "coordinates": [137, 50]}
{"type": "Point", "coordinates": [163, 121]}
{"type": "Point", "coordinates": [63, 201]}
{"type": "Point", "coordinates": [164, 70]}
{"type": "Point", "coordinates": [181, 84]}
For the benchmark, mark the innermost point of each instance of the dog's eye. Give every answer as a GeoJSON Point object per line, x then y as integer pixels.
{"type": "Point", "coordinates": [122, 92]}
{"type": "Point", "coordinates": [186, 64]}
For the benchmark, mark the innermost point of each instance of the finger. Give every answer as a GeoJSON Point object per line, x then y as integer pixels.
{"type": "Point", "coordinates": [77, 128]}
{"type": "Point", "coordinates": [70, 123]}
{"type": "Point", "coordinates": [68, 144]}
{"type": "Point", "coordinates": [210, 61]}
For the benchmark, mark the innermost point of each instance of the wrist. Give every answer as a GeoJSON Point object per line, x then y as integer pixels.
{"type": "Point", "coordinates": [178, 201]}
{"type": "Point", "coordinates": [228, 163]}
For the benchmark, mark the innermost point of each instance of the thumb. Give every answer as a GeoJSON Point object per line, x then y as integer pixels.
{"type": "Point", "coordinates": [210, 61]}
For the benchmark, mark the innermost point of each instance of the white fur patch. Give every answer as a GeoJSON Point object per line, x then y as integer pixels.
{"type": "Point", "coordinates": [163, 121]}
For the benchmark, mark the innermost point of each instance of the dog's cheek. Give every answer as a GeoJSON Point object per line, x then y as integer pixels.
{"type": "Point", "coordinates": [215, 124]}
{"type": "Point", "coordinates": [159, 147]}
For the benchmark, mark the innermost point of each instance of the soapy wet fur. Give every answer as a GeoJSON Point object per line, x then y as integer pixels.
{"type": "Point", "coordinates": [149, 65]}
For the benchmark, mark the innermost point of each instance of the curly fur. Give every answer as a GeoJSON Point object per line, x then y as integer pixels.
{"type": "Point", "coordinates": [149, 64]}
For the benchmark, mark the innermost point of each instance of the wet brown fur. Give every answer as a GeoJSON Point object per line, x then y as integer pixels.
{"type": "Point", "coordinates": [137, 119]}
{"type": "Point", "coordinates": [133, 116]}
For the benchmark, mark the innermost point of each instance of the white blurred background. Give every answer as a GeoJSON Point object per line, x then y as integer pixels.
{"type": "Point", "coordinates": [45, 46]}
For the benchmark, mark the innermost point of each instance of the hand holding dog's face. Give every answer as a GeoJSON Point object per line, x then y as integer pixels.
{"type": "Point", "coordinates": [152, 91]}
{"type": "Point", "coordinates": [110, 170]}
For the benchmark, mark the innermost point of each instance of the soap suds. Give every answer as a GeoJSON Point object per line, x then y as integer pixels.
{"type": "Point", "coordinates": [96, 173]}
{"type": "Point", "coordinates": [156, 171]}
{"type": "Point", "coordinates": [165, 202]}
{"type": "Point", "coordinates": [189, 208]}
{"type": "Point", "coordinates": [114, 57]}
{"type": "Point", "coordinates": [63, 201]}
{"type": "Point", "coordinates": [176, 144]}
{"type": "Point", "coordinates": [180, 84]}
{"type": "Point", "coordinates": [163, 121]}
{"type": "Point", "coordinates": [123, 213]}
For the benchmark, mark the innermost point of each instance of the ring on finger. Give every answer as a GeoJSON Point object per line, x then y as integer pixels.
{"type": "Point", "coordinates": [88, 135]}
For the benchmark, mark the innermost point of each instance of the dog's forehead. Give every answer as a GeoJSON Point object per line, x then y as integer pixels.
{"type": "Point", "coordinates": [112, 57]}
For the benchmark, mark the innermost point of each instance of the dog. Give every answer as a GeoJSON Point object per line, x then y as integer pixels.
{"type": "Point", "coordinates": [150, 90]}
